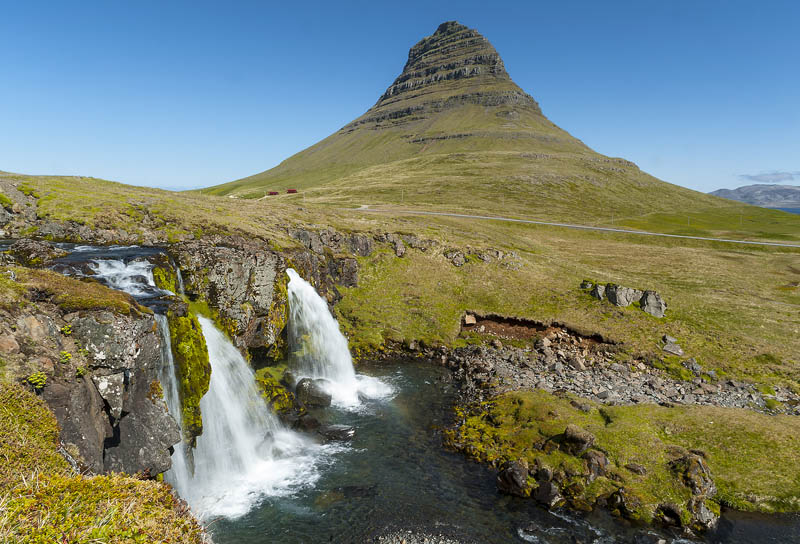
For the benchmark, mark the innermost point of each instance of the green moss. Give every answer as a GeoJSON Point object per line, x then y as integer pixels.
{"type": "Point", "coordinates": [64, 357]}
{"type": "Point", "coordinates": [111, 509]}
{"type": "Point", "coordinates": [27, 190]}
{"type": "Point", "coordinates": [268, 379]}
{"type": "Point", "coordinates": [6, 202]}
{"type": "Point", "coordinates": [226, 325]}
{"type": "Point", "coordinates": [765, 389]}
{"type": "Point", "coordinates": [751, 455]}
{"type": "Point", "coordinates": [72, 295]}
{"type": "Point", "coordinates": [28, 436]}
{"type": "Point", "coordinates": [165, 278]}
{"type": "Point", "coordinates": [672, 366]}
{"type": "Point", "coordinates": [37, 380]}
{"type": "Point", "coordinates": [193, 367]}
{"type": "Point", "coordinates": [278, 317]}
{"type": "Point", "coordinates": [156, 392]}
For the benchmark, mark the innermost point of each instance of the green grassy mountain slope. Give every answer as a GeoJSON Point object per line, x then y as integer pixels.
{"type": "Point", "coordinates": [453, 131]}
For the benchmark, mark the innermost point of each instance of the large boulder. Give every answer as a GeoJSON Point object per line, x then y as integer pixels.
{"type": "Point", "coordinates": [548, 494]}
{"type": "Point", "coordinates": [622, 296]}
{"type": "Point", "coordinates": [652, 303]}
{"type": "Point", "coordinates": [513, 478]}
{"type": "Point", "coordinates": [313, 392]}
{"type": "Point", "coordinates": [598, 291]}
{"type": "Point", "coordinates": [576, 441]}
{"type": "Point", "coordinates": [597, 464]}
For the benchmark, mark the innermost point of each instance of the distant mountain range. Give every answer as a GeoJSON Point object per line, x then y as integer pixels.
{"type": "Point", "coordinates": [767, 196]}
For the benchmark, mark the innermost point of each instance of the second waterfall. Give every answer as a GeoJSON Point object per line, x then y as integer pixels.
{"type": "Point", "coordinates": [320, 351]}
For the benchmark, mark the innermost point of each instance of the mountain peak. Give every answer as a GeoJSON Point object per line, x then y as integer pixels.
{"type": "Point", "coordinates": [453, 52]}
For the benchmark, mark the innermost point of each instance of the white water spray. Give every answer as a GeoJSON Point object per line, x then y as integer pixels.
{"type": "Point", "coordinates": [244, 452]}
{"type": "Point", "coordinates": [134, 277]}
{"type": "Point", "coordinates": [319, 349]}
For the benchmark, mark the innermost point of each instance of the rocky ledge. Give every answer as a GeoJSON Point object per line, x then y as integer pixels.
{"type": "Point", "coordinates": [93, 355]}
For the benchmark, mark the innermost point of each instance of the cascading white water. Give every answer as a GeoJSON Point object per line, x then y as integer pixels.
{"type": "Point", "coordinates": [134, 277]}
{"type": "Point", "coordinates": [180, 473]}
{"type": "Point", "coordinates": [244, 453]}
{"type": "Point", "coordinates": [319, 349]}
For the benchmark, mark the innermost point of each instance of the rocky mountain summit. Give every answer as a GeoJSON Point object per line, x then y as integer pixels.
{"type": "Point", "coordinates": [454, 66]}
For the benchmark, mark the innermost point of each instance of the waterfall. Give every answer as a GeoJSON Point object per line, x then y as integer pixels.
{"type": "Point", "coordinates": [319, 349]}
{"type": "Point", "coordinates": [244, 452]}
{"type": "Point", "coordinates": [180, 473]}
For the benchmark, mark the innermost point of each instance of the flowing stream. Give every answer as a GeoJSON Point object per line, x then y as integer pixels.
{"type": "Point", "coordinates": [244, 453]}
{"type": "Point", "coordinates": [260, 482]}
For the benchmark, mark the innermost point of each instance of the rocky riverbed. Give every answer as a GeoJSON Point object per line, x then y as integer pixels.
{"type": "Point", "coordinates": [565, 361]}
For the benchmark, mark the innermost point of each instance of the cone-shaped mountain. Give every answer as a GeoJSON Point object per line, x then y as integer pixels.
{"type": "Point", "coordinates": [453, 125]}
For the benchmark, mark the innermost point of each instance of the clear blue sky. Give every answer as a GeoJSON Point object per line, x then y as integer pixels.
{"type": "Point", "coordinates": [188, 94]}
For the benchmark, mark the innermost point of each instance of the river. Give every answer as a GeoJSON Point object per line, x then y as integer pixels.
{"type": "Point", "coordinates": [395, 473]}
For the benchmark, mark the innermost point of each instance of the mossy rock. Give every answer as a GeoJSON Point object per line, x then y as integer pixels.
{"type": "Point", "coordinates": [6, 202]}
{"type": "Point", "coordinates": [750, 455]}
{"type": "Point", "coordinates": [190, 353]}
{"type": "Point", "coordinates": [166, 278]}
{"type": "Point", "coordinates": [279, 398]}
{"type": "Point", "coordinates": [278, 318]}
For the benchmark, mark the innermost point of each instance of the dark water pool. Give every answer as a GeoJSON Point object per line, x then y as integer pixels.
{"type": "Point", "coordinates": [397, 475]}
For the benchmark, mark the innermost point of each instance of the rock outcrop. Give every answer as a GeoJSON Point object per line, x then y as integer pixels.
{"type": "Point", "coordinates": [454, 53]}
{"type": "Point", "coordinates": [649, 301]}
{"type": "Point", "coordinates": [99, 373]}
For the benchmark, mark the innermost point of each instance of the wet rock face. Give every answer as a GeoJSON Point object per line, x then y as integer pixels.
{"type": "Point", "coordinates": [313, 392]}
{"type": "Point", "coordinates": [239, 282]}
{"type": "Point", "coordinates": [513, 478]}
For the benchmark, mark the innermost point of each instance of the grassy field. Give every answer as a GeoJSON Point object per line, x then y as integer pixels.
{"type": "Point", "coordinates": [751, 456]}
{"type": "Point", "coordinates": [735, 308]}
{"type": "Point", "coordinates": [42, 500]}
